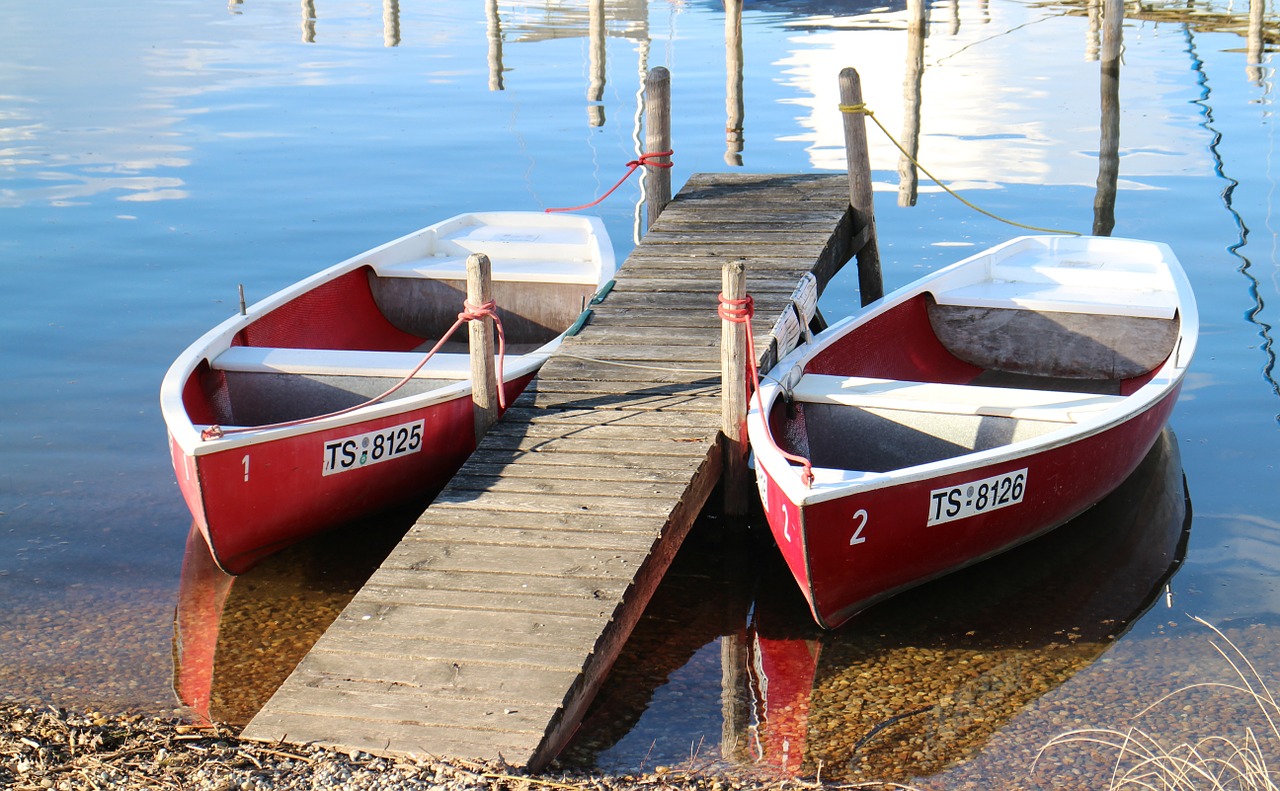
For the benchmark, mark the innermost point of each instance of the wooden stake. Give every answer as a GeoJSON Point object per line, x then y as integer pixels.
{"type": "Point", "coordinates": [484, 382]}
{"type": "Point", "coordinates": [870, 283]}
{"type": "Point", "coordinates": [733, 389]}
{"type": "Point", "coordinates": [657, 137]}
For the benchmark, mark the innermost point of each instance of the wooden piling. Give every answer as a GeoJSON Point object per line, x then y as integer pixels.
{"type": "Point", "coordinates": [657, 132]}
{"type": "Point", "coordinates": [733, 389]}
{"type": "Point", "coordinates": [870, 283]}
{"type": "Point", "coordinates": [484, 382]}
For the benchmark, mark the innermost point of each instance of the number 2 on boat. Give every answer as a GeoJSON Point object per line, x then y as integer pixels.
{"type": "Point", "coordinates": [860, 518]}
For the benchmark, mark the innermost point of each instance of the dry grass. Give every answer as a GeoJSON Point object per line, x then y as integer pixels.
{"type": "Point", "coordinates": [1144, 761]}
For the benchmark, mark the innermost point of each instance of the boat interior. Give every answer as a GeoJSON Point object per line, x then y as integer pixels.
{"type": "Point", "coordinates": [930, 380]}
{"type": "Point", "coordinates": [353, 337]}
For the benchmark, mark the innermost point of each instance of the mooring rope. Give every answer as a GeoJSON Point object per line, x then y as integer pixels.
{"type": "Point", "coordinates": [740, 311]}
{"type": "Point", "coordinates": [862, 109]}
{"type": "Point", "coordinates": [632, 166]}
{"type": "Point", "coordinates": [469, 313]}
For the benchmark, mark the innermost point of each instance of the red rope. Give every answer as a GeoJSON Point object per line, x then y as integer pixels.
{"type": "Point", "coordinates": [740, 311]}
{"type": "Point", "coordinates": [469, 312]}
{"type": "Point", "coordinates": [632, 166]}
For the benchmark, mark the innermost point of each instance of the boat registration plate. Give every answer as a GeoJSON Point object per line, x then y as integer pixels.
{"type": "Point", "coordinates": [977, 497]}
{"type": "Point", "coordinates": [361, 450]}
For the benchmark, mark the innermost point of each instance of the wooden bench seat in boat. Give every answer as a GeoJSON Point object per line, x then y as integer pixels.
{"type": "Point", "coordinates": [1043, 405]}
{"type": "Point", "coordinates": [341, 362]}
{"type": "Point", "coordinates": [1139, 288]}
{"type": "Point", "coordinates": [504, 269]}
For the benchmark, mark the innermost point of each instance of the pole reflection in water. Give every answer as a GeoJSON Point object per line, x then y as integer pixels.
{"type": "Point", "coordinates": [917, 27]}
{"type": "Point", "coordinates": [1104, 202]}
{"type": "Point", "coordinates": [922, 681]}
{"type": "Point", "coordinates": [236, 639]}
{"type": "Point", "coordinates": [735, 107]}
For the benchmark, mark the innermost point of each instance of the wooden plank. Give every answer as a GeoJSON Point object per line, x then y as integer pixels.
{"type": "Point", "coordinates": [491, 582]}
{"type": "Point", "coordinates": [529, 561]}
{"type": "Point", "coordinates": [603, 540]}
{"type": "Point", "coordinates": [575, 606]}
{"type": "Point", "coordinates": [555, 503]}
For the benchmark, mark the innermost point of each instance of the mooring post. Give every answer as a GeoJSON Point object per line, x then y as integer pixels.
{"type": "Point", "coordinates": [733, 389]}
{"type": "Point", "coordinates": [484, 382]}
{"type": "Point", "coordinates": [657, 137]}
{"type": "Point", "coordinates": [870, 283]}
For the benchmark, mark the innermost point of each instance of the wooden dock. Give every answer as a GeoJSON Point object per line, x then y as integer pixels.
{"type": "Point", "coordinates": [490, 627]}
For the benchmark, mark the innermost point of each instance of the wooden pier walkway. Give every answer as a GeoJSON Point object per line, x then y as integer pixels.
{"type": "Point", "coordinates": [490, 627]}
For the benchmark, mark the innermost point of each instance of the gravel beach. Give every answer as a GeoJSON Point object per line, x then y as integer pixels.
{"type": "Point", "coordinates": [48, 748]}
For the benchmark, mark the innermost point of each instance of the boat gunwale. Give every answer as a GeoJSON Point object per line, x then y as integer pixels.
{"type": "Point", "coordinates": [1164, 382]}
{"type": "Point", "coordinates": [188, 435]}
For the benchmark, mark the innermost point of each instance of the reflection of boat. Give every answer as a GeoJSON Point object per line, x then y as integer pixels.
{"type": "Point", "coordinates": [235, 639]}
{"type": "Point", "coordinates": [922, 681]}
{"type": "Point", "coordinates": [969, 412]}
{"type": "Point", "coordinates": [280, 421]}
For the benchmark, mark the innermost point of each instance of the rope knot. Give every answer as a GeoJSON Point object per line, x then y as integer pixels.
{"type": "Point", "coordinates": [471, 312]}
{"type": "Point", "coordinates": [739, 311]}
{"type": "Point", "coordinates": [860, 109]}
{"type": "Point", "coordinates": [647, 157]}
{"type": "Point", "coordinates": [212, 432]}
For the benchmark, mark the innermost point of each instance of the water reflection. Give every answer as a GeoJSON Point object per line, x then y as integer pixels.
{"type": "Point", "coordinates": [236, 639]}
{"type": "Point", "coordinates": [909, 688]}
{"type": "Point", "coordinates": [922, 682]}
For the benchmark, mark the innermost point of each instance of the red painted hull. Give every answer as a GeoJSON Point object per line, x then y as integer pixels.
{"type": "Point", "coordinates": [250, 509]}
{"type": "Point", "coordinates": [900, 549]}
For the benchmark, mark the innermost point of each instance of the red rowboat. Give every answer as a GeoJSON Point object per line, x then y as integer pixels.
{"type": "Point", "coordinates": [275, 425]}
{"type": "Point", "coordinates": [968, 412]}
{"type": "Point", "coordinates": [982, 645]}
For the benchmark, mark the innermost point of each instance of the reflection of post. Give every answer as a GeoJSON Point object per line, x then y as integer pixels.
{"type": "Point", "coordinates": [870, 284]}
{"type": "Point", "coordinates": [390, 23]}
{"type": "Point", "coordinates": [495, 44]}
{"type": "Point", "coordinates": [657, 137]}
{"type": "Point", "coordinates": [908, 178]}
{"type": "Point", "coordinates": [596, 54]}
{"type": "Point", "coordinates": [309, 21]}
{"type": "Point", "coordinates": [733, 82]}
{"type": "Point", "coordinates": [1253, 66]}
{"type": "Point", "coordinates": [1104, 202]}
{"type": "Point", "coordinates": [1093, 9]}
{"type": "Point", "coordinates": [733, 707]}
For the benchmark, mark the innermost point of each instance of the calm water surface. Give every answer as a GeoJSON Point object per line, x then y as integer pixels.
{"type": "Point", "coordinates": [154, 155]}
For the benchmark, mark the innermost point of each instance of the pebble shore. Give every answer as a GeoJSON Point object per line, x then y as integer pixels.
{"type": "Point", "coordinates": [48, 748]}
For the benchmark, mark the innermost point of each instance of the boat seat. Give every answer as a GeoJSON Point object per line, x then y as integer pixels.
{"type": "Point", "coordinates": [1132, 289]}
{"type": "Point", "coordinates": [341, 362]}
{"type": "Point", "coordinates": [524, 270]}
{"type": "Point", "coordinates": [1046, 405]}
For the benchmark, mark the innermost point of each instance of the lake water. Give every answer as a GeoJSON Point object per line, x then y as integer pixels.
{"type": "Point", "coordinates": [153, 155]}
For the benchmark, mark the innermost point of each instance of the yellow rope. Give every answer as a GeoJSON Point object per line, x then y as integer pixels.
{"type": "Point", "coordinates": [862, 109]}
